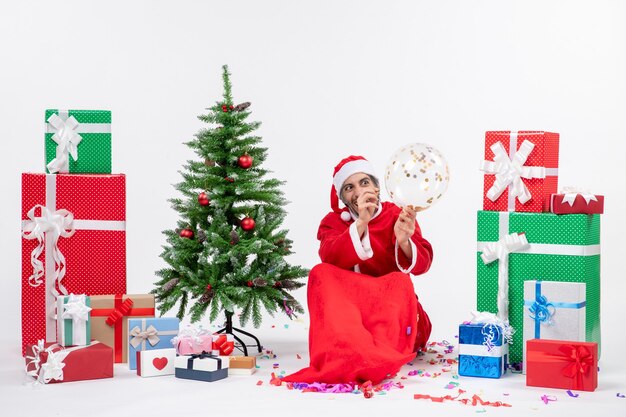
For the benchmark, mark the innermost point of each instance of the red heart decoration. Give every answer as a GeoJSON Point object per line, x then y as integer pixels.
{"type": "Point", "coordinates": [159, 363]}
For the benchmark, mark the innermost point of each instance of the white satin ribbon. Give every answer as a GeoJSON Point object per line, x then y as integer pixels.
{"type": "Point", "coordinates": [509, 171]}
{"type": "Point", "coordinates": [479, 350]}
{"type": "Point", "coordinates": [67, 140]}
{"type": "Point", "coordinates": [570, 194]}
{"type": "Point", "coordinates": [76, 309]}
{"type": "Point", "coordinates": [50, 225]}
{"type": "Point", "coordinates": [500, 250]}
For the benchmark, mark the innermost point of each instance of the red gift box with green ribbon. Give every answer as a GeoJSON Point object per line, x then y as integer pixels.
{"type": "Point", "coordinates": [74, 241]}
{"type": "Point", "coordinates": [562, 364]}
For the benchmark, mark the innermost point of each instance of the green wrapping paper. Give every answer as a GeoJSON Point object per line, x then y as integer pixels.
{"type": "Point", "coordinates": [562, 248]}
{"type": "Point", "coordinates": [78, 141]}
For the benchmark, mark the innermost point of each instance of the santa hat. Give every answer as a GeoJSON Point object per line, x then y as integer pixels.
{"type": "Point", "coordinates": [347, 167]}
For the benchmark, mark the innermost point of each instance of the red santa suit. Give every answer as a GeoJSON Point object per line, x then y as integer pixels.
{"type": "Point", "coordinates": [366, 321]}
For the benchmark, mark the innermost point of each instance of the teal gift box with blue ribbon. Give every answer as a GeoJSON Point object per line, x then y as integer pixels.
{"type": "Point", "coordinates": [483, 350]}
{"type": "Point", "coordinates": [150, 334]}
{"type": "Point", "coordinates": [554, 310]}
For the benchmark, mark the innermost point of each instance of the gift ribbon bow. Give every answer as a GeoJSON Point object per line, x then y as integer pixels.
{"type": "Point", "coordinates": [578, 362]}
{"type": "Point", "coordinates": [224, 344]}
{"type": "Point", "coordinates": [67, 140]}
{"type": "Point", "coordinates": [151, 335]}
{"type": "Point", "coordinates": [570, 194]}
{"type": "Point", "coordinates": [500, 250]}
{"type": "Point", "coordinates": [76, 308]}
{"type": "Point", "coordinates": [493, 327]}
{"type": "Point", "coordinates": [509, 171]}
{"type": "Point", "coordinates": [119, 312]}
{"type": "Point", "coordinates": [54, 224]}
{"type": "Point", "coordinates": [53, 366]}
{"type": "Point", "coordinates": [204, 355]}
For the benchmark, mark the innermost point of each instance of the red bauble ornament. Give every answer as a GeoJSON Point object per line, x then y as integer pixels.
{"type": "Point", "coordinates": [224, 108]}
{"type": "Point", "coordinates": [231, 107]}
{"type": "Point", "coordinates": [277, 284]}
{"type": "Point", "coordinates": [245, 161]}
{"type": "Point", "coordinates": [247, 224]}
{"type": "Point", "coordinates": [208, 287]}
{"type": "Point", "coordinates": [203, 199]}
{"type": "Point", "coordinates": [250, 284]}
{"type": "Point", "coordinates": [186, 233]}
{"type": "Point", "coordinates": [229, 179]}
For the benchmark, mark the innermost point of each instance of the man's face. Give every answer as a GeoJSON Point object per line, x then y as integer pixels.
{"type": "Point", "coordinates": [354, 186]}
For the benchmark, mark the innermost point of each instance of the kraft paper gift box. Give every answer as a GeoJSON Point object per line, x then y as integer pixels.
{"type": "Point", "coordinates": [73, 320]}
{"type": "Point", "coordinates": [563, 248]}
{"type": "Point", "coordinates": [74, 241]}
{"type": "Point", "coordinates": [483, 352]}
{"type": "Point", "coordinates": [148, 334]}
{"type": "Point", "coordinates": [157, 362]}
{"type": "Point", "coordinates": [78, 141]}
{"type": "Point", "coordinates": [241, 365]}
{"type": "Point", "coordinates": [109, 319]}
{"type": "Point", "coordinates": [562, 364]}
{"type": "Point", "coordinates": [577, 203]}
{"type": "Point", "coordinates": [521, 170]}
{"type": "Point", "coordinates": [554, 310]}
{"type": "Point", "coordinates": [51, 363]}
{"type": "Point", "coordinates": [208, 367]}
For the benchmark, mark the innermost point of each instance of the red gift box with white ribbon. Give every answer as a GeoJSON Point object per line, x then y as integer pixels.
{"type": "Point", "coordinates": [562, 364]}
{"type": "Point", "coordinates": [575, 201]}
{"type": "Point", "coordinates": [73, 240]}
{"type": "Point", "coordinates": [521, 170]}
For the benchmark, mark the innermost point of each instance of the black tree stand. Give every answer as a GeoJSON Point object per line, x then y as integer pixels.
{"type": "Point", "coordinates": [229, 329]}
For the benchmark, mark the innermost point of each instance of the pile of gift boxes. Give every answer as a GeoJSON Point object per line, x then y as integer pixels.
{"type": "Point", "coordinates": [75, 309]}
{"type": "Point", "coordinates": [538, 269]}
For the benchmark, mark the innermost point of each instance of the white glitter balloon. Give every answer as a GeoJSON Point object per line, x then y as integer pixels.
{"type": "Point", "coordinates": [417, 174]}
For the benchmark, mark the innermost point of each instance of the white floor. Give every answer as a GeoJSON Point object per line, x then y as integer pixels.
{"type": "Point", "coordinates": [129, 395]}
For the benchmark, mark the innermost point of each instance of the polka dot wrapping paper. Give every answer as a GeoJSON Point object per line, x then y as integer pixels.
{"type": "Point", "coordinates": [94, 147]}
{"type": "Point", "coordinates": [94, 256]}
{"type": "Point", "coordinates": [544, 154]}
{"type": "Point", "coordinates": [562, 248]}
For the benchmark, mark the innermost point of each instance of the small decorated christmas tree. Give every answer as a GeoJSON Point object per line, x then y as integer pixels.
{"type": "Point", "coordinates": [228, 251]}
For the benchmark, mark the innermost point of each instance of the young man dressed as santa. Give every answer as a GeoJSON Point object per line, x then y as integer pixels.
{"type": "Point", "coordinates": [366, 321]}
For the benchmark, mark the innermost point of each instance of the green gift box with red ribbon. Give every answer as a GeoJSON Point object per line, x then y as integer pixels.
{"type": "Point", "coordinates": [562, 364]}
{"type": "Point", "coordinates": [109, 319]}
{"type": "Point", "coordinates": [517, 247]}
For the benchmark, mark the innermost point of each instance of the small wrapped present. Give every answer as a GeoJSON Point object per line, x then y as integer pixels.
{"type": "Point", "coordinates": [50, 362]}
{"type": "Point", "coordinates": [78, 141]}
{"type": "Point", "coordinates": [241, 365]}
{"type": "Point", "coordinates": [157, 362]}
{"type": "Point", "coordinates": [73, 229]}
{"type": "Point", "coordinates": [193, 340]}
{"type": "Point", "coordinates": [574, 201]}
{"type": "Point", "coordinates": [521, 170]}
{"type": "Point", "coordinates": [562, 364]}
{"type": "Point", "coordinates": [554, 310]}
{"type": "Point", "coordinates": [483, 346]}
{"type": "Point", "coordinates": [205, 366]}
{"type": "Point", "coordinates": [109, 318]}
{"type": "Point", "coordinates": [224, 343]}
{"type": "Point", "coordinates": [73, 320]}
{"type": "Point", "coordinates": [148, 334]}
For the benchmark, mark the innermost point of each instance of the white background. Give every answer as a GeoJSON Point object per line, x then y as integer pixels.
{"type": "Point", "coordinates": [326, 79]}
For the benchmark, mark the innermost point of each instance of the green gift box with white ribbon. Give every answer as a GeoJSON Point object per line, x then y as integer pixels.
{"type": "Point", "coordinates": [73, 320]}
{"type": "Point", "coordinates": [516, 247]}
{"type": "Point", "coordinates": [78, 141]}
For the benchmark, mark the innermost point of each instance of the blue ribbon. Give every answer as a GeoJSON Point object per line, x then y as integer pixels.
{"type": "Point", "coordinates": [541, 310]}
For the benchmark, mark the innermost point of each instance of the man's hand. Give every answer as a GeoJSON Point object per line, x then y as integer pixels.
{"type": "Point", "coordinates": [404, 228]}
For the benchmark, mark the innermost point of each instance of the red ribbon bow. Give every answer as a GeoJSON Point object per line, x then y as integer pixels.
{"type": "Point", "coordinates": [223, 345]}
{"type": "Point", "coordinates": [580, 361]}
{"type": "Point", "coordinates": [119, 312]}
